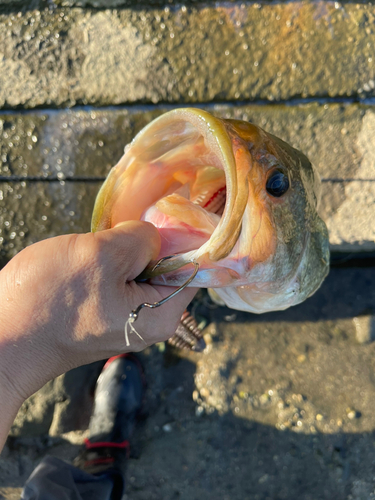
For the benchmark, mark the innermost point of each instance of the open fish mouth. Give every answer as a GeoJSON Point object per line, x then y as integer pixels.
{"type": "Point", "coordinates": [180, 173]}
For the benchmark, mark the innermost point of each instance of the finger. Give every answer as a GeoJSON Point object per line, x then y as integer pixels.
{"type": "Point", "coordinates": [131, 245]}
{"type": "Point", "coordinates": [180, 301]}
{"type": "Point", "coordinates": [171, 311]}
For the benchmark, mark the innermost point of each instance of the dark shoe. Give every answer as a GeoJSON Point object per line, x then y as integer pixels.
{"type": "Point", "coordinates": [117, 403]}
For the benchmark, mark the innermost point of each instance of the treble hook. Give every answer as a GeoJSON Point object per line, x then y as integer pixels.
{"type": "Point", "coordinates": [133, 315]}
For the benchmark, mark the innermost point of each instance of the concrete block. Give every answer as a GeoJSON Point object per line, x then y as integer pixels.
{"type": "Point", "coordinates": [352, 224]}
{"type": "Point", "coordinates": [30, 212]}
{"type": "Point", "coordinates": [20, 151]}
{"type": "Point", "coordinates": [61, 144]}
{"type": "Point", "coordinates": [221, 51]}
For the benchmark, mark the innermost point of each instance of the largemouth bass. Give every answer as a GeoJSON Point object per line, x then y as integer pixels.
{"type": "Point", "coordinates": [228, 195]}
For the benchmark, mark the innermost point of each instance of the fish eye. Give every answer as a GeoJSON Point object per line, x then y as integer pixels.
{"type": "Point", "coordinates": [277, 183]}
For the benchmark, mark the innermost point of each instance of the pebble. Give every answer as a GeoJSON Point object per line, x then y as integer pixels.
{"type": "Point", "coordinates": [263, 479]}
{"type": "Point", "coordinates": [205, 392]}
{"type": "Point", "coordinates": [207, 338]}
{"type": "Point", "coordinates": [263, 399]}
{"type": "Point", "coordinates": [199, 411]}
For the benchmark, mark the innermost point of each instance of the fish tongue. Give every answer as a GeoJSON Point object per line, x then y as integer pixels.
{"type": "Point", "coordinates": [182, 225]}
{"type": "Point", "coordinates": [188, 213]}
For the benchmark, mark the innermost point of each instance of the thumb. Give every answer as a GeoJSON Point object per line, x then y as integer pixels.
{"type": "Point", "coordinates": [131, 245]}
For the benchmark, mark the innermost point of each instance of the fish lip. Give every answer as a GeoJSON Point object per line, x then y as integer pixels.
{"type": "Point", "coordinates": [218, 138]}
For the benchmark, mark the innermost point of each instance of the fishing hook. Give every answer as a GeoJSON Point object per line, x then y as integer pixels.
{"type": "Point", "coordinates": [133, 315]}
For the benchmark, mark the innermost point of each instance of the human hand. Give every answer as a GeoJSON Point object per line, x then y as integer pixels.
{"type": "Point", "coordinates": [64, 302]}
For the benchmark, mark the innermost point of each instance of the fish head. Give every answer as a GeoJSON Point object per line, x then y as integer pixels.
{"type": "Point", "coordinates": [283, 247]}
{"type": "Point", "coordinates": [228, 195]}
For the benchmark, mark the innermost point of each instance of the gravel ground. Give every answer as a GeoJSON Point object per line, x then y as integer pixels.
{"type": "Point", "coordinates": [279, 406]}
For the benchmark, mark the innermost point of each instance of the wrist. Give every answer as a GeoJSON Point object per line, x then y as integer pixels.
{"type": "Point", "coordinates": [26, 353]}
{"type": "Point", "coordinates": [10, 404]}
{"type": "Point", "coordinates": [11, 398]}
{"type": "Point", "coordinates": [23, 370]}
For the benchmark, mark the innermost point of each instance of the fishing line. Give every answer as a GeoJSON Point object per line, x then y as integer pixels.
{"type": "Point", "coordinates": [133, 315]}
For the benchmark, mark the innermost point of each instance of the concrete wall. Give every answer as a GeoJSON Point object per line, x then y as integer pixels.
{"type": "Point", "coordinates": [314, 59]}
